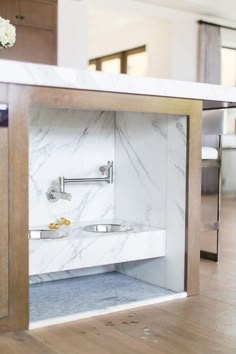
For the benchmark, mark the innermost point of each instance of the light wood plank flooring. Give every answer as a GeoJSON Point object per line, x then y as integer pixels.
{"type": "Point", "coordinates": [202, 324]}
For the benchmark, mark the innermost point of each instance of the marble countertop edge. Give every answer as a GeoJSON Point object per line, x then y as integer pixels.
{"type": "Point", "coordinates": [54, 76]}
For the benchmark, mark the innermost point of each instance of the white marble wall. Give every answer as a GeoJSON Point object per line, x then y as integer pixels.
{"type": "Point", "coordinates": [141, 168]}
{"type": "Point", "coordinates": [149, 154]}
{"type": "Point", "coordinates": [66, 274]}
{"type": "Point", "coordinates": [150, 188]}
{"type": "Point", "coordinates": [70, 143]}
{"type": "Point", "coordinates": [176, 203]}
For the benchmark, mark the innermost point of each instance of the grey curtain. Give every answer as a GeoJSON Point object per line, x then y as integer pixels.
{"type": "Point", "coordinates": [209, 54]}
{"type": "Point", "coordinates": [210, 72]}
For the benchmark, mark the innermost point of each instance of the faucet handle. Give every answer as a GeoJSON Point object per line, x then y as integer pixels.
{"type": "Point", "coordinates": [104, 169]}
{"type": "Point", "coordinates": [54, 196]}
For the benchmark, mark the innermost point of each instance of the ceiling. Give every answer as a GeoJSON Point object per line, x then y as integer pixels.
{"type": "Point", "coordinates": [225, 9]}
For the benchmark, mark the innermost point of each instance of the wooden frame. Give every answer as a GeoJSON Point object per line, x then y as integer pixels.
{"type": "Point", "coordinates": [18, 304]}
{"type": "Point", "coordinates": [78, 99]}
{"type": "Point", "coordinates": [20, 98]}
{"type": "Point", "coordinates": [4, 211]}
{"type": "Point", "coordinates": [4, 222]}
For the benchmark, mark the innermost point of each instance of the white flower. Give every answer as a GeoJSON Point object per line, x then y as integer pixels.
{"type": "Point", "coordinates": [7, 33]}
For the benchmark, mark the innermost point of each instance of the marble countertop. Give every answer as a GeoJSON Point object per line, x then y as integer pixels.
{"type": "Point", "coordinates": [76, 230]}
{"type": "Point", "coordinates": [85, 249]}
{"type": "Point", "coordinates": [55, 76]}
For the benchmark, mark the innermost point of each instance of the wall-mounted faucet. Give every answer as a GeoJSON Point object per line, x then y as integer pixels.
{"type": "Point", "coordinates": [105, 170]}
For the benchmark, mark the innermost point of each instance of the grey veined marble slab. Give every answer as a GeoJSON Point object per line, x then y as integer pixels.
{"type": "Point", "coordinates": [56, 76]}
{"type": "Point", "coordinates": [90, 249]}
{"type": "Point", "coordinates": [89, 293]}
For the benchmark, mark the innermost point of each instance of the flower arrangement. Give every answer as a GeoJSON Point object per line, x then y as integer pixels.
{"type": "Point", "coordinates": [7, 33]}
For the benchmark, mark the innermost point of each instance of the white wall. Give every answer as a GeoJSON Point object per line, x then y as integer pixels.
{"type": "Point", "coordinates": [72, 33]}
{"type": "Point", "coordinates": [184, 48]}
{"type": "Point", "coordinates": [229, 171]}
{"type": "Point", "coordinates": [229, 159]}
{"type": "Point", "coordinates": [156, 37]}
{"type": "Point", "coordinates": [171, 35]}
{"type": "Point", "coordinates": [228, 38]}
{"type": "Point", "coordinates": [93, 28]}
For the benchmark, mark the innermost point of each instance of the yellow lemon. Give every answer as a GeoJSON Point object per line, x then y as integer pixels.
{"type": "Point", "coordinates": [62, 221]}
{"type": "Point", "coordinates": [67, 222]}
{"type": "Point", "coordinates": [51, 226]}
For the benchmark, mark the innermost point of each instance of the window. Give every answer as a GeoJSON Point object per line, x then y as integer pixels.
{"type": "Point", "coordinates": [228, 66]}
{"type": "Point", "coordinates": [228, 78]}
{"type": "Point", "coordinates": [132, 62]}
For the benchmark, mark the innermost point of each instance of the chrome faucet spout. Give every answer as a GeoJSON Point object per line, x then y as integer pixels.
{"type": "Point", "coordinates": [61, 195]}
{"type": "Point", "coordinates": [105, 170]}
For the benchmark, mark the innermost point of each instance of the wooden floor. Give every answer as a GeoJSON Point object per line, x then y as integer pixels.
{"type": "Point", "coordinates": [203, 324]}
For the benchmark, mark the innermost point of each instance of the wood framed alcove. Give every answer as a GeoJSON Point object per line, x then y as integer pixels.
{"type": "Point", "coordinates": [19, 99]}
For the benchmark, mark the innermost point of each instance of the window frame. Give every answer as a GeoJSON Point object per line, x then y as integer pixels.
{"type": "Point", "coordinates": [123, 56]}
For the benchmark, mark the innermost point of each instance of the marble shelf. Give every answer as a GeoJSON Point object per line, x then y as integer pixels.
{"type": "Point", "coordinates": [80, 249]}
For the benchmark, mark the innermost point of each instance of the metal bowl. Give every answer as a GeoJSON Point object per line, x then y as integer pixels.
{"type": "Point", "coordinates": [107, 228]}
{"type": "Point", "coordinates": [49, 234]}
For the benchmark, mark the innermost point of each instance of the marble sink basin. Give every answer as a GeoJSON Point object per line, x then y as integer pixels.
{"type": "Point", "coordinates": [107, 228]}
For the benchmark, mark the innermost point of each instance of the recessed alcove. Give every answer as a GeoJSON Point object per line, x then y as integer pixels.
{"type": "Point", "coordinates": [149, 155]}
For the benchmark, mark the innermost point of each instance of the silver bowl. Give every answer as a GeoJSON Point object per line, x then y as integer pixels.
{"type": "Point", "coordinates": [107, 228]}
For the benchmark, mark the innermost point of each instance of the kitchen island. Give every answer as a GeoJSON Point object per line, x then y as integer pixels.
{"type": "Point", "coordinates": [152, 130]}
